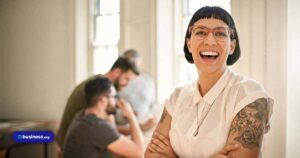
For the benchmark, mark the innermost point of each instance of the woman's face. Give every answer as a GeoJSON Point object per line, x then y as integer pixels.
{"type": "Point", "coordinates": [210, 45]}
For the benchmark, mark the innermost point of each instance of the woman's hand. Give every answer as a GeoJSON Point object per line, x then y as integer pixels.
{"type": "Point", "coordinates": [224, 152]}
{"type": "Point", "coordinates": [161, 144]}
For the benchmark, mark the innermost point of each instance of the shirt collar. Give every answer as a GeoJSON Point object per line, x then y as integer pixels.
{"type": "Point", "coordinates": [214, 92]}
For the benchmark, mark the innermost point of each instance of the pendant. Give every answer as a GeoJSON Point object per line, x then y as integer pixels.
{"type": "Point", "coordinates": [196, 132]}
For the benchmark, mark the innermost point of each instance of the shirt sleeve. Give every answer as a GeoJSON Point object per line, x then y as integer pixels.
{"type": "Point", "coordinates": [170, 103]}
{"type": "Point", "coordinates": [249, 91]}
{"type": "Point", "coordinates": [105, 134]}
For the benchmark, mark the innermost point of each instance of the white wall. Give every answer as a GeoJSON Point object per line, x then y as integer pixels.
{"type": "Point", "coordinates": [43, 54]}
{"type": "Point", "coordinates": [165, 49]}
{"type": "Point", "coordinates": [262, 29]}
{"type": "Point", "coordinates": [250, 19]}
{"type": "Point", "coordinates": [138, 31]}
{"type": "Point", "coordinates": [1, 64]}
{"type": "Point", "coordinates": [82, 40]}
{"type": "Point", "coordinates": [276, 74]}
{"type": "Point", "coordinates": [37, 58]}
{"type": "Point", "coordinates": [293, 108]}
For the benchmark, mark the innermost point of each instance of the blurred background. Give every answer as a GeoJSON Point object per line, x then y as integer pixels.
{"type": "Point", "coordinates": [48, 47]}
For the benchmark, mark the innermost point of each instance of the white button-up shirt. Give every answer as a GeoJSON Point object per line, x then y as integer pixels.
{"type": "Point", "coordinates": [224, 100]}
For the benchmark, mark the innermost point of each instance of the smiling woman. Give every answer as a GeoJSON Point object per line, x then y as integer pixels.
{"type": "Point", "coordinates": [220, 114]}
{"type": "Point", "coordinates": [211, 37]}
{"type": "Point", "coordinates": [186, 72]}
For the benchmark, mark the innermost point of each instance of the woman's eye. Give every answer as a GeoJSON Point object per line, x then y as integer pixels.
{"type": "Point", "coordinates": [200, 33]}
{"type": "Point", "coordinates": [220, 34]}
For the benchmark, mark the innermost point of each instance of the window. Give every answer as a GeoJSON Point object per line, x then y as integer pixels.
{"type": "Point", "coordinates": [187, 72]}
{"type": "Point", "coordinates": [106, 34]}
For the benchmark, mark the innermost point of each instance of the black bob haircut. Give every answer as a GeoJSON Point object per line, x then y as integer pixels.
{"type": "Point", "coordinates": [95, 87]}
{"type": "Point", "coordinates": [215, 13]}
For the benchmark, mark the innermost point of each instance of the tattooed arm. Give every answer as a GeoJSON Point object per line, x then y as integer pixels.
{"type": "Point", "coordinates": [160, 146]}
{"type": "Point", "coordinates": [248, 128]}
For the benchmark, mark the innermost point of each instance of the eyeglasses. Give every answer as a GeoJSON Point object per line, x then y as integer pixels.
{"type": "Point", "coordinates": [117, 97]}
{"type": "Point", "coordinates": [220, 34]}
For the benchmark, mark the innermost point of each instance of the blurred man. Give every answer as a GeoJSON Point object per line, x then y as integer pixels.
{"type": "Point", "coordinates": [140, 93]}
{"type": "Point", "coordinates": [92, 135]}
{"type": "Point", "coordinates": [122, 71]}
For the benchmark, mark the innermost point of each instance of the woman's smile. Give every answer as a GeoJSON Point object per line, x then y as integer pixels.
{"type": "Point", "coordinates": [209, 56]}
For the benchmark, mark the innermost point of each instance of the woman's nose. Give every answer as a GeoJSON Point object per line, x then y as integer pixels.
{"type": "Point", "coordinates": [210, 39]}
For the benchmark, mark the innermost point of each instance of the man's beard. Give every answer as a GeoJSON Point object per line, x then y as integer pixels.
{"type": "Point", "coordinates": [117, 85]}
{"type": "Point", "coordinates": [111, 110]}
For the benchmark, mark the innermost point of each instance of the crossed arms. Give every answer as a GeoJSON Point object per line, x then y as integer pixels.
{"type": "Point", "coordinates": [244, 139]}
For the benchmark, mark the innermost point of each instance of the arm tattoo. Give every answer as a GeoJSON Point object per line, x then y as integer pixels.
{"type": "Point", "coordinates": [249, 124]}
{"type": "Point", "coordinates": [163, 116]}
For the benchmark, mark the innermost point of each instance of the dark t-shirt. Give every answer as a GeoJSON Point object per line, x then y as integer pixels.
{"type": "Point", "coordinates": [75, 103]}
{"type": "Point", "coordinates": [88, 137]}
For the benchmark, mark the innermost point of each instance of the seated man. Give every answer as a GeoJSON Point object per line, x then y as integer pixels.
{"type": "Point", "coordinates": [121, 73]}
{"type": "Point", "coordinates": [91, 133]}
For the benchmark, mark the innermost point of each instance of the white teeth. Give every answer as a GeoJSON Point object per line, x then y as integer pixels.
{"type": "Point", "coordinates": [210, 53]}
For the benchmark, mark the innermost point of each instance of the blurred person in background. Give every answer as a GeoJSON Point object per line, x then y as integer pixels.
{"type": "Point", "coordinates": [140, 93]}
{"type": "Point", "coordinates": [121, 73]}
{"type": "Point", "coordinates": [92, 133]}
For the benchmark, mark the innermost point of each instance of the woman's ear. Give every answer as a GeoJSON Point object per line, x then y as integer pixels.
{"type": "Point", "coordinates": [188, 44]}
{"type": "Point", "coordinates": [232, 46]}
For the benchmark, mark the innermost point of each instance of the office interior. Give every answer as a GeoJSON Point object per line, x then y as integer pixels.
{"type": "Point", "coordinates": [48, 47]}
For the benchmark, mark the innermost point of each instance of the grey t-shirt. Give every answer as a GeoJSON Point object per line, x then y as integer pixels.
{"type": "Point", "coordinates": [88, 137]}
